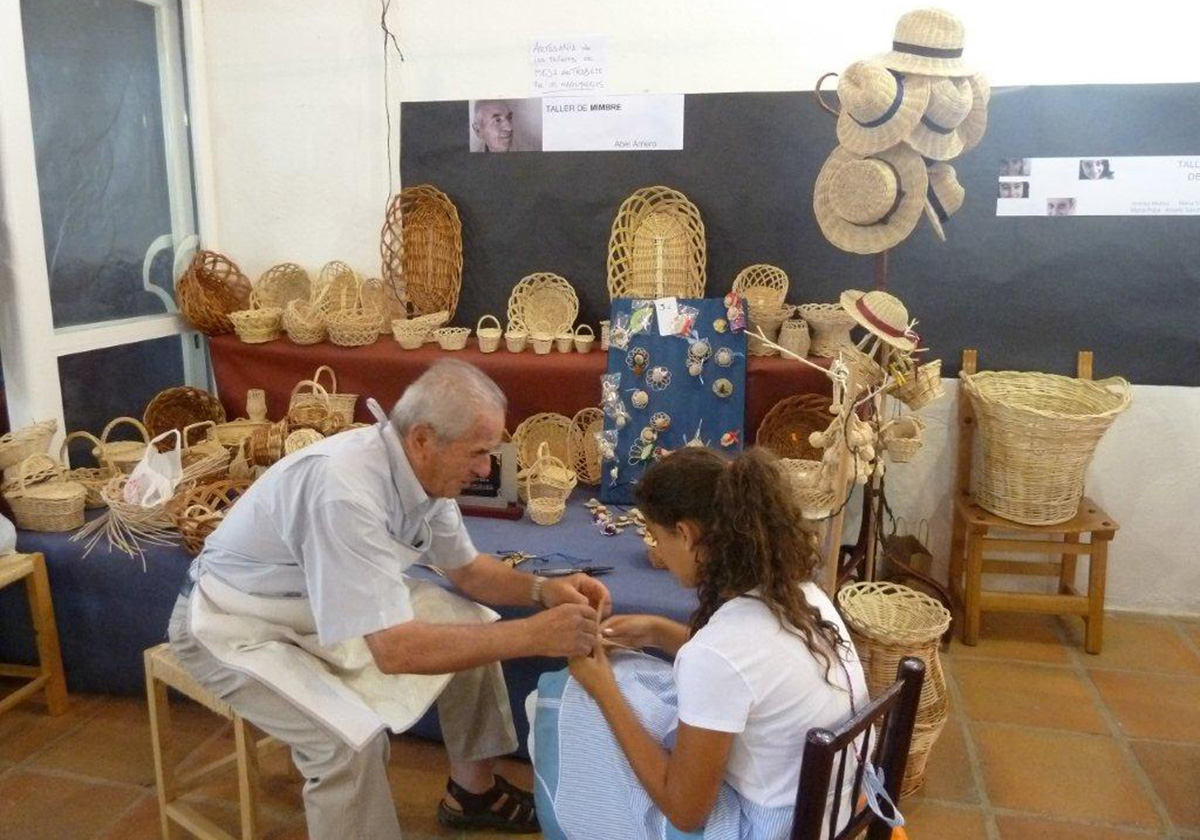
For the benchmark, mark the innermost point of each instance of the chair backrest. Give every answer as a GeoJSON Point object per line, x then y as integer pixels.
{"type": "Point", "coordinates": [890, 717]}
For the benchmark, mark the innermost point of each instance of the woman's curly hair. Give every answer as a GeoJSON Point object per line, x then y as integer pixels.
{"type": "Point", "coordinates": [752, 531]}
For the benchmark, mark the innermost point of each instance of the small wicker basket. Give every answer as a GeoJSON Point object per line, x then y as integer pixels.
{"type": "Point", "coordinates": [548, 483]}
{"type": "Point", "coordinates": [542, 343]}
{"type": "Point", "coordinates": [921, 388]}
{"type": "Point", "coordinates": [902, 438]}
{"type": "Point", "coordinates": [814, 496]}
{"type": "Point", "coordinates": [793, 336]}
{"type": "Point", "coordinates": [122, 454]}
{"type": "Point", "coordinates": [489, 337]}
{"type": "Point", "coordinates": [769, 321]}
{"type": "Point", "coordinates": [410, 332]}
{"type": "Point", "coordinates": [786, 427]}
{"type": "Point", "coordinates": [829, 326]}
{"type": "Point", "coordinates": [452, 338]}
{"type": "Point", "coordinates": [301, 438]}
{"type": "Point", "coordinates": [584, 341]}
{"type": "Point", "coordinates": [339, 402]}
{"type": "Point", "coordinates": [258, 324]}
{"type": "Point", "coordinates": [314, 412]}
{"type": "Point", "coordinates": [304, 322]}
{"type": "Point", "coordinates": [564, 342]}
{"type": "Point", "coordinates": [49, 505]}
{"type": "Point", "coordinates": [19, 444]}
{"type": "Point", "coordinates": [515, 340]}
{"type": "Point", "coordinates": [763, 286]}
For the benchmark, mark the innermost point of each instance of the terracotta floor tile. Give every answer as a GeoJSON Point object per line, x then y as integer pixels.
{"type": "Point", "coordinates": [1159, 706]}
{"type": "Point", "coordinates": [1173, 770]}
{"type": "Point", "coordinates": [28, 727]}
{"type": "Point", "coordinates": [34, 806]}
{"type": "Point", "coordinates": [1027, 828]}
{"type": "Point", "coordinates": [1061, 774]}
{"type": "Point", "coordinates": [1033, 695]}
{"type": "Point", "coordinates": [1011, 636]}
{"type": "Point", "coordinates": [1191, 629]}
{"type": "Point", "coordinates": [115, 744]}
{"type": "Point", "coordinates": [932, 821]}
{"type": "Point", "coordinates": [139, 824]}
{"type": "Point", "coordinates": [948, 775]}
{"type": "Point", "coordinates": [1139, 645]}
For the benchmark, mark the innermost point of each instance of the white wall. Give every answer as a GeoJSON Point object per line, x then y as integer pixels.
{"type": "Point", "coordinates": [299, 171]}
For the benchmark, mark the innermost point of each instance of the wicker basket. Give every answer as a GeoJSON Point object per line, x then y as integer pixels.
{"type": "Point", "coordinates": [542, 343]}
{"type": "Point", "coordinates": [50, 505]}
{"type": "Point", "coordinates": [124, 455]}
{"type": "Point", "coordinates": [297, 440]}
{"type": "Point", "coordinates": [564, 342]}
{"type": "Point", "coordinates": [547, 511]}
{"type": "Point", "coordinates": [583, 448]}
{"type": "Point", "coordinates": [814, 496]}
{"type": "Point", "coordinates": [1038, 432]}
{"type": "Point", "coordinates": [281, 284]}
{"type": "Point", "coordinates": [769, 321]}
{"type": "Point", "coordinates": [338, 288]}
{"type": "Point", "coordinates": [888, 622]}
{"type": "Point", "coordinates": [375, 298]}
{"type": "Point", "coordinates": [515, 340]}
{"type": "Point", "coordinates": [657, 246]}
{"type": "Point", "coordinates": [314, 410]}
{"type": "Point", "coordinates": [763, 286]}
{"type": "Point", "coordinates": [793, 336]}
{"type": "Point", "coordinates": [211, 288]}
{"type": "Point", "coordinates": [234, 433]}
{"type": "Point", "coordinates": [92, 478]}
{"type": "Point", "coordinates": [410, 332]}
{"type": "Point", "coordinates": [257, 326]}
{"type": "Point", "coordinates": [452, 338]}
{"type": "Point", "coordinates": [304, 322]}
{"type": "Point", "coordinates": [548, 482]}
{"type": "Point", "coordinates": [421, 247]}
{"type": "Point", "coordinates": [549, 430]}
{"type": "Point", "coordinates": [829, 326]}
{"type": "Point", "coordinates": [19, 444]}
{"type": "Point", "coordinates": [922, 387]}
{"type": "Point", "coordinates": [179, 408]}
{"type": "Point", "coordinates": [786, 427]}
{"type": "Point", "coordinates": [864, 370]}
{"type": "Point", "coordinates": [584, 341]}
{"type": "Point", "coordinates": [902, 438]}
{"type": "Point", "coordinates": [208, 449]}
{"type": "Point", "coordinates": [265, 446]}
{"type": "Point", "coordinates": [340, 403]}
{"type": "Point", "coordinates": [353, 327]}
{"type": "Point", "coordinates": [489, 337]}
{"type": "Point", "coordinates": [543, 303]}
{"type": "Point", "coordinates": [198, 511]}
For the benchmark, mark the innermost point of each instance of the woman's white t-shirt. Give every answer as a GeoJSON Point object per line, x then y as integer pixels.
{"type": "Point", "coordinates": [744, 673]}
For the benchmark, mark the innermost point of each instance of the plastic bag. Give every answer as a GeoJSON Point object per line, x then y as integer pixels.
{"type": "Point", "coordinates": [8, 536]}
{"type": "Point", "coordinates": [153, 480]}
{"type": "Point", "coordinates": [641, 317]}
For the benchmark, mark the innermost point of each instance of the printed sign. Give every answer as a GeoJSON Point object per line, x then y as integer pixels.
{"type": "Point", "coordinates": [576, 124]}
{"type": "Point", "coordinates": [1099, 186]}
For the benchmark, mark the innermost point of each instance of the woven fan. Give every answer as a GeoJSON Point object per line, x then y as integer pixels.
{"type": "Point", "coordinates": [421, 249]}
{"type": "Point", "coordinates": [543, 303]}
{"type": "Point", "coordinates": [657, 246]}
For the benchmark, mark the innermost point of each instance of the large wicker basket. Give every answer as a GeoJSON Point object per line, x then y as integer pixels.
{"type": "Point", "coordinates": [888, 622]}
{"type": "Point", "coordinates": [657, 247]}
{"type": "Point", "coordinates": [211, 288]}
{"type": "Point", "coordinates": [198, 511]}
{"type": "Point", "coordinates": [786, 427]}
{"type": "Point", "coordinates": [422, 251]}
{"type": "Point", "coordinates": [543, 303]}
{"type": "Point", "coordinates": [180, 407]}
{"type": "Point", "coordinates": [1038, 432]}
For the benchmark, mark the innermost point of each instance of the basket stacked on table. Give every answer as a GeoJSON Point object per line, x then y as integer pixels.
{"type": "Point", "coordinates": [19, 444]}
{"type": "Point", "coordinates": [548, 483]}
{"type": "Point", "coordinates": [764, 288]}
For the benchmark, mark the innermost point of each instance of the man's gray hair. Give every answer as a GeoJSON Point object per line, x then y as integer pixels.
{"type": "Point", "coordinates": [449, 397]}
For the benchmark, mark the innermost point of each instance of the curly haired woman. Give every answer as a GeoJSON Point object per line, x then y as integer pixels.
{"type": "Point", "coordinates": [766, 657]}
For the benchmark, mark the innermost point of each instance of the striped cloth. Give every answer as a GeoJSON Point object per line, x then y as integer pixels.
{"type": "Point", "coordinates": [583, 783]}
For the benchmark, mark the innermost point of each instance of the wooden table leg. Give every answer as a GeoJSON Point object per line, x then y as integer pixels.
{"type": "Point", "coordinates": [1066, 577]}
{"type": "Point", "coordinates": [1097, 568]}
{"type": "Point", "coordinates": [957, 547]}
{"type": "Point", "coordinates": [974, 585]}
{"type": "Point", "coordinates": [41, 609]}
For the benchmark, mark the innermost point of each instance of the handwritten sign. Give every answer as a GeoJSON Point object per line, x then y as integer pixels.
{"type": "Point", "coordinates": [568, 65]}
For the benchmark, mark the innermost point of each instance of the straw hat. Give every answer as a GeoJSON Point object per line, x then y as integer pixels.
{"type": "Point", "coordinates": [882, 314]}
{"type": "Point", "coordinates": [972, 128]}
{"type": "Point", "coordinates": [867, 205]}
{"type": "Point", "coordinates": [936, 135]}
{"type": "Point", "coordinates": [879, 107]}
{"type": "Point", "coordinates": [928, 41]}
{"type": "Point", "coordinates": [944, 197]}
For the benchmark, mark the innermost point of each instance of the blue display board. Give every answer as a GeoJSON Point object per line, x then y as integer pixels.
{"type": "Point", "coordinates": [674, 390]}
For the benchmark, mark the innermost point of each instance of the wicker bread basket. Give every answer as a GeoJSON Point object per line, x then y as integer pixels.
{"type": "Point", "coordinates": [452, 338]}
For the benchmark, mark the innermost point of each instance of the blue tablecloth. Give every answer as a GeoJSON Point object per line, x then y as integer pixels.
{"type": "Point", "coordinates": [108, 610]}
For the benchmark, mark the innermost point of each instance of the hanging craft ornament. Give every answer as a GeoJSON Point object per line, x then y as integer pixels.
{"type": "Point", "coordinates": [640, 399]}
{"type": "Point", "coordinates": [659, 378]}
{"type": "Point", "coordinates": [722, 388]}
{"type": "Point", "coordinates": [699, 350]}
{"type": "Point", "coordinates": [661, 421]}
{"type": "Point", "coordinates": [731, 438]}
{"type": "Point", "coordinates": [637, 359]}
{"type": "Point", "coordinates": [695, 368]}
{"type": "Point", "coordinates": [640, 453]}
{"type": "Point", "coordinates": [695, 439]}
{"type": "Point", "coordinates": [720, 325]}
{"type": "Point", "coordinates": [648, 435]}
{"type": "Point", "coordinates": [618, 337]}
{"type": "Point", "coordinates": [724, 357]}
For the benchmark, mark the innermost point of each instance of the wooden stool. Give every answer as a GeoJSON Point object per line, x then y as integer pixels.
{"type": "Point", "coordinates": [974, 534]}
{"type": "Point", "coordinates": [47, 675]}
{"type": "Point", "coordinates": [163, 671]}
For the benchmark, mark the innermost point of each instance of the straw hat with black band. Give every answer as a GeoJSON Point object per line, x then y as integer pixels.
{"type": "Point", "coordinates": [882, 314]}
{"type": "Point", "coordinates": [936, 134]}
{"type": "Point", "coordinates": [944, 197]}
{"type": "Point", "coordinates": [880, 107]}
{"type": "Point", "coordinates": [973, 127]}
{"type": "Point", "coordinates": [865, 205]}
{"type": "Point", "coordinates": [929, 42]}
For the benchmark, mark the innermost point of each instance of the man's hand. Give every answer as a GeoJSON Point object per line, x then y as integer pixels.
{"type": "Point", "coordinates": [565, 630]}
{"type": "Point", "coordinates": [577, 589]}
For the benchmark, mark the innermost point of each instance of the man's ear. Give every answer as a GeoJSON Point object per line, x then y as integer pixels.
{"type": "Point", "coordinates": [420, 436]}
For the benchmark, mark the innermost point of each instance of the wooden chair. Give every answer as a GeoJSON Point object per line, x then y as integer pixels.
{"type": "Point", "coordinates": [975, 532]}
{"type": "Point", "coordinates": [888, 721]}
{"type": "Point", "coordinates": [163, 671]}
{"type": "Point", "coordinates": [47, 675]}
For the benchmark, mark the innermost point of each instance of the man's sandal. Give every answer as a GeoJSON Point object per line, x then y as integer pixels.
{"type": "Point", "coordinates": [504, 808]}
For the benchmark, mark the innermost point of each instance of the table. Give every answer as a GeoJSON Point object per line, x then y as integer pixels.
{"type": "Point", "coordinates": [109, 610]}
{"type": "Point", "coordinates": [562, 382]}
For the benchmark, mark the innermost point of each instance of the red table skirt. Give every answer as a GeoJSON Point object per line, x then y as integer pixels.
{"type": "Point", "coordinates": [562, 382]}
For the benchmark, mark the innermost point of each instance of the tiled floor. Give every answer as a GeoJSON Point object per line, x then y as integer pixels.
{"type": "Point", "coordinates": [1043, 742]}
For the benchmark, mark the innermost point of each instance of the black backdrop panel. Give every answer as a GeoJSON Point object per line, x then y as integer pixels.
{"type": "Point", "coordinates": [1028, 292]}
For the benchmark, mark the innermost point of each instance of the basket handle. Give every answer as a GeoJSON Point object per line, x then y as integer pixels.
{"type": "Point", "coordinates": [132, 421]}
{"type": "Point", "coordinates": [1118, 385]}
{"type": "Point", "coordinates": [587, 327]}
{"type": "Point", "coordinates": [210, 435]}
{"type": "Point", "coordinates": [316, 377]}
{"type": "Point", "coordinates": [315, 387]}
{"type": "Point", "coordinates": [62, 450]}
{"type": "Point", "coordinates": [479, 323]}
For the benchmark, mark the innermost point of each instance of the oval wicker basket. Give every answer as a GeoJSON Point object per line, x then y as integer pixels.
{"type": "Point", "coordinates": [422, 250]}
{"type": "Point", "coordinates": [304, 322]}
{"type": "Point", "coordinates": [546, 511]}
{"type": "Point", "coordinates": [313, 410]}
{"type": "Point", "coordinates": [211, 288]}
{"type": "Point", "coordinates": [92, 478]}
{"type": "Point", "coordinates": [452, 338]}
{"type": "Point", "coordinates": [198, 511]}
{"type": "Point", "coordinates": [353, 327]}
{"type": "Point", "coordinates": [543, 303]}
{"type": "Point", "coordinates": [489, 337]}
{"type": "Point", "coordinates": [281, 284]}
{"type": "Point", "coordinates": [657, 246]}
{"type": "Point", "coordinates": [337, 288]}
{"type": "Point", "coordinates": [583, 447]}
{"type": "Point", "coordinates": [19, 444]}
{"type": "Point", "coordinates": [50, 505]}
{"type": "Point", "coordinates": [179, 408]}
{"type": "Point", "coordinates": [584, 341]}
{"type": "Point", "coordinates": [410, 332]}
{"type": "Point", "coordinates": [828, 327]}
{"type": "Point", "coordinates": [1037, 433]}
{"type": "Point", "coordinates": [786, 427]}
{"type": "Point", "coordinates": [122, 454]}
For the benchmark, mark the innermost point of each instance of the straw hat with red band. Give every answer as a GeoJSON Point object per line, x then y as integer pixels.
{"type": "Point", "coordinates": [936, 134]}
{"type": "Point", "coordinates": [882, 314]}
{"type": "Point", "coordinates": [944, 197]}
{"type": "Point", "coordinates": [865, 205]}
{"type": "Point", "coordinates": [880, 107]}
{"type": "Point", "coordinates": [973, 127]}
{"type": "Point", "coordinates": [929, 42]}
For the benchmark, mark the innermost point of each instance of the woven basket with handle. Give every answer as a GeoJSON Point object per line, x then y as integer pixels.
{"type": "Point", "coordinates": [304, 322]}
{"type": "Point", "coordinates": [197, 511]}
{"type": "Point", "coordinates": [122, 454]}
{"type": "Point", "coordinates": [548, 482]}
{"type": "Point", "coordinates": [340, 402]}
{"type": "Point", "coordinates": [41, 501]}
{"type": "Point", "coordinates": [489, 337]}
{"type": "Point", "coordinates": [315, 411]}
{"type": "Point", "coordinates": [763, 286]}
{"type": "Point", "coordinates": [19, 444]}
{"type": "Point", "coordinates": [92, 478]}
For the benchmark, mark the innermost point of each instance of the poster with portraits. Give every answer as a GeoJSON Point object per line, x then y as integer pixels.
{"type": "Point", "coordinates": [1099, 186]}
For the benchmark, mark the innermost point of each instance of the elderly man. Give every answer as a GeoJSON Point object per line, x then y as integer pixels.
{"type": "Point", "coordinates": [299, 614]}
{"type": "Point", "coordinates": [493, 125]}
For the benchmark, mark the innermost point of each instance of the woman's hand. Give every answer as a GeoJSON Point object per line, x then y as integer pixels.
{"type": "Point", "coordinates": [577, 589]}
{"type": "Point", "coordinates": [635, 631]}
{"type": "Point", "coordinates": [594, 673]}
